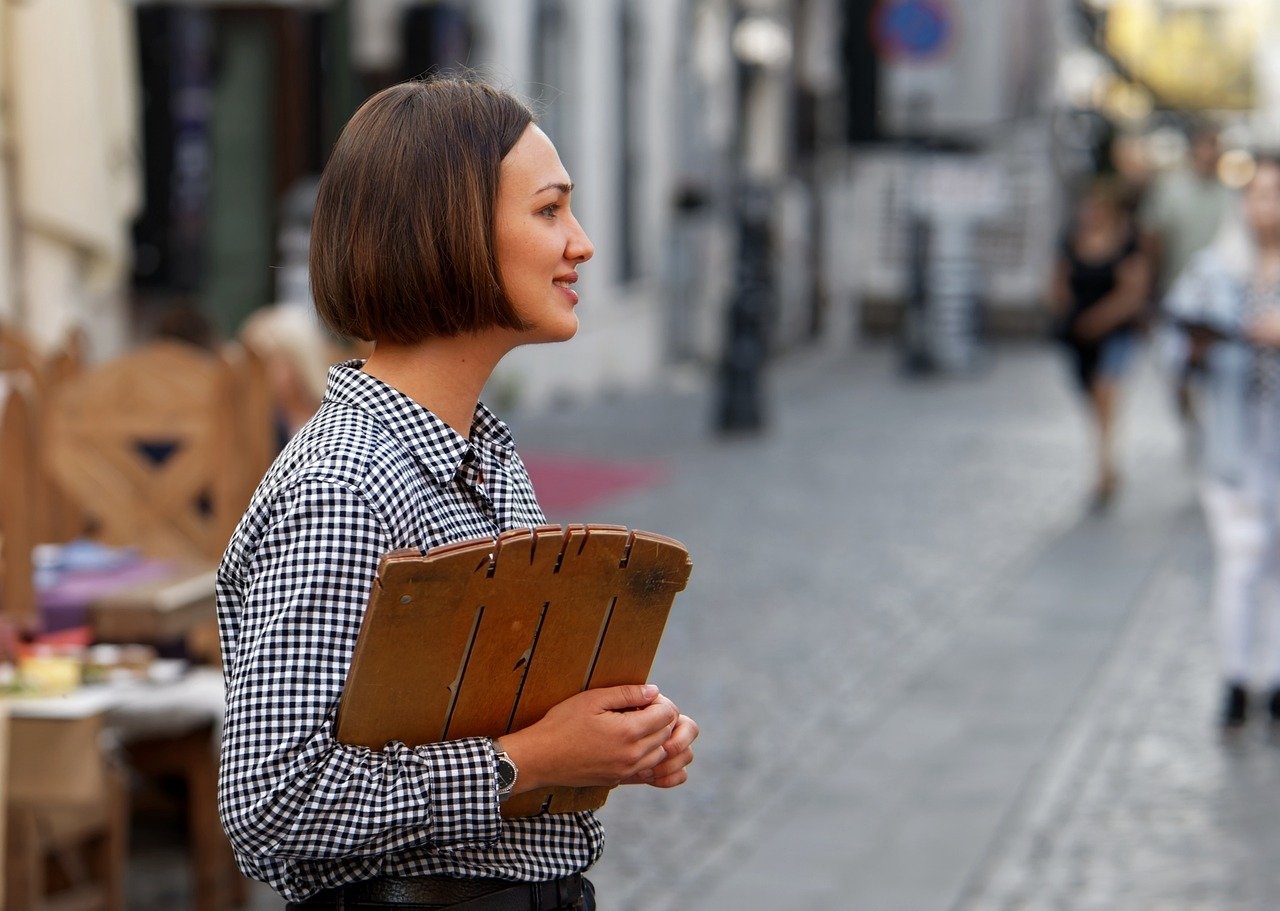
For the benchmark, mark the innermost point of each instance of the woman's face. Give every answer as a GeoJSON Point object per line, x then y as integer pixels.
{"type": "Point", "coordinates": [1262, 200]}
{"type": "Point", "coordinates": [539, 242]}
{"type": "Point", "coordinates": [1096, 212]}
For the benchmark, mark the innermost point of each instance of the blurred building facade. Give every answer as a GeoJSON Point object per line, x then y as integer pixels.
{"type": "Point", "coordinates": [179, 170]}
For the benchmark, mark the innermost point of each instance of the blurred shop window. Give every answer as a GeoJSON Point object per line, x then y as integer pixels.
{"type": "Point", "coordinates": [553, 57]}
{"type": "Point", "coordinates": [1191, 55]}
{"type": "Point", "coordinates": [234, 114]}
{"type": "Point", "coordinates": [176, 48]}
{"type": "Point", "coordinates": [436, 40]}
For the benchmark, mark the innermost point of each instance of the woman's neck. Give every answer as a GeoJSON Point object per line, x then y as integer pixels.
{"type": "Point", "coordinates": [443, 375]}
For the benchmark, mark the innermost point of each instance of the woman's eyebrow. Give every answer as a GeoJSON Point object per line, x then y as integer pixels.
{"type": "Point", "coordinates": [565, 188]}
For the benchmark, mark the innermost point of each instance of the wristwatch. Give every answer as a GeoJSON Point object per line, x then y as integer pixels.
{"type": "Point", "coordinates": [506, 771]}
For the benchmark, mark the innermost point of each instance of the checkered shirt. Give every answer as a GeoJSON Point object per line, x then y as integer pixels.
{"type": "Point", "coordinates": [371, 472]}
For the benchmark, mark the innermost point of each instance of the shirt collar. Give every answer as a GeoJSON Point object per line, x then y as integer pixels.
{"type": "Point", "coordinates": [435, 444]}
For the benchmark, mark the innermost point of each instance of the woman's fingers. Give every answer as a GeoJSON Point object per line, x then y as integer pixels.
{"type": "Point", "coordinates": [677, 754]}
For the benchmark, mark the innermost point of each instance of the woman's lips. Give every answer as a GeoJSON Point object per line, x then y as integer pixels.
{"type": "Point", "coordinates": [563, 284]}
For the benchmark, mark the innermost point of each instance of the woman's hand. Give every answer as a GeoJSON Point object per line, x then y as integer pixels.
{"type": "Point", "coordinates": [679, 749]}
{"type": "Point", "coordinates": [602, 737]}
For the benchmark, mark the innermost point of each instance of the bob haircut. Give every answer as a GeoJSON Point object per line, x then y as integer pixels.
{"type": "Point", "coordinates": [402, 236]}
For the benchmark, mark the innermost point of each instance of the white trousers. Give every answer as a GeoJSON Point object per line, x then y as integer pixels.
{"type": "Point", "coordinates": [1244, 524]}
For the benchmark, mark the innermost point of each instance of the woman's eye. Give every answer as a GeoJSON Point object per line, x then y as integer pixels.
{"type": "Point", "coordinates": [550, 211]}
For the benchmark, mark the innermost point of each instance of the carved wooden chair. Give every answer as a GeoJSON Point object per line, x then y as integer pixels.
{"type": "Point", "coordinates": [64, 803]}
{"type": "Point", "coordinates": [56, 518]}
{"type": "Point", "coordinates": [146, 446]}
{"type": "Point", "coordinates": [150, 448]}
{"type": "Point", "coordinates": [67, 816]}
{"type": "Point", "coordinates": [17, 529]}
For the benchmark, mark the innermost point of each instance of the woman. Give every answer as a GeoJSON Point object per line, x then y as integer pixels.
{"type": "Point", "coordinates": [442, 233]}
{"type": "Point", "coordinates": [1228, 302]}
{"type": "Point", "coordinates": [1100, 288]}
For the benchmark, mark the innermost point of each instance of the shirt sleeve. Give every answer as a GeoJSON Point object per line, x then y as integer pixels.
{"type": "Point", "coordinates": [287, 788]}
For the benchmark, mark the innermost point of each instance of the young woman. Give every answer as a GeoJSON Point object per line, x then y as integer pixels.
{"type": "Point", "coordinates": [1228, 301]}
{"type": "Point", "coordinates": [1100, 289]}
{"type": "Point", "coordinates": [443, 233]}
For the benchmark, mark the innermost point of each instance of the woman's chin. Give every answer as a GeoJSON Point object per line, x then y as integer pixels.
{"type": "Point", "coordinates": [560, 331]}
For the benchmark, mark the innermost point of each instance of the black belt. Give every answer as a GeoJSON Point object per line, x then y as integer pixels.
{"type": "Point", "coordinates": [449, 892]}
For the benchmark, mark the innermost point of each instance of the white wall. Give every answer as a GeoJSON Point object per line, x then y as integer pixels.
{"type": "Point", "coordinates": [619, 345]}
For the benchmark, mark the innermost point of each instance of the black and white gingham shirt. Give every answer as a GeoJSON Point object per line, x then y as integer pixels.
{"type": "Point", "coordinates": [373, 471]}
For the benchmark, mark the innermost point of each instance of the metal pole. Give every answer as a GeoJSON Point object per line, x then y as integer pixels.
{"type": "Point", "coordinates": [740, 406]}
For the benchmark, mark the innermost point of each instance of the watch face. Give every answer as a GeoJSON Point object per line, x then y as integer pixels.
{"type": "Point", "coordinates": [506, 773]}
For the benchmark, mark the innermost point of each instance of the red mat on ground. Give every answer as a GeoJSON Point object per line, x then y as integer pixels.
{"type": "Point", "coordinates": [568, 482]}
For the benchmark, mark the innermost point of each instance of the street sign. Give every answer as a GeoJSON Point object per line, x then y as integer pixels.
{"type": "Point", "coordinates": [912, 30]}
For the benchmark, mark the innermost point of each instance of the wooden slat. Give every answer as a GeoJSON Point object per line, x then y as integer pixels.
{"type": "Point", "coordinates": [482, 637]}
{"type": "Point", "coordinates": [18, 473]}
{"type": "Point", "coordinates": [580, 598]}
{"type": "Point", "coordinates": [409, 668]}
{"type": "Point", "coordinates": [507, 638]}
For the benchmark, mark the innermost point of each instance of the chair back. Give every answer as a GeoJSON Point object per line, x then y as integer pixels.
{"type": "Point", "coordinates": [17, 507]}
{"type": "Point", "coordinates": [146, 445]}
{"type": "Point", "coordinates": [56, 518]}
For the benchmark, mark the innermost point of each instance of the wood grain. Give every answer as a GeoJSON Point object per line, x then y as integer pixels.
{"type": "Point", "coordinates": [483, 637]}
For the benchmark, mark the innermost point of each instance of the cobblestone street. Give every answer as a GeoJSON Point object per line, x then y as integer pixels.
{"type": "Point", "coordinates": [927, 680]}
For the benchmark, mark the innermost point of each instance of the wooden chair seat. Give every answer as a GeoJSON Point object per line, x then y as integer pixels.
{"type": "Point", "coordinates": [483, 637]}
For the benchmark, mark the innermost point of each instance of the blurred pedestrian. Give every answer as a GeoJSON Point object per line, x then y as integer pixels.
{"type": "Point", "coordinates": [1180, 217]}
{"type": "Point", "coordinates": [296, 352]}
{"type": "Point", "coordinates": [1227, 303]}
{"type": "Point", "coordinates": [1131, 161]}
{"type": "Point", "coordinates": [443, 233]}
{"type": "Point", "coordinates": [1098, 299]}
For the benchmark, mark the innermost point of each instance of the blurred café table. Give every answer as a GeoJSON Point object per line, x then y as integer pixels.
{"type": "Point", "coordinates": [124, 660]}
{"type": "Point", "coordinates": [121, 595]}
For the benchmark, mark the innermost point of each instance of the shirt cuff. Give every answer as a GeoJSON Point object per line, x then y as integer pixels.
{"type": "Point", "coordinates": [464, 786]}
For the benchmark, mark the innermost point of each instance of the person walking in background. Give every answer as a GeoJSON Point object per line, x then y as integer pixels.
{"type": "Point", "coordinates": [1098, 298]}
{"type": "Point", "coordinates": [1180, 217]}
{"type": "Point", "coordinates": [1227, 303]}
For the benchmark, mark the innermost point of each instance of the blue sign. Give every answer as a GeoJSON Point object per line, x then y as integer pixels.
{"type": "Point", "coordinates": [912, 29]}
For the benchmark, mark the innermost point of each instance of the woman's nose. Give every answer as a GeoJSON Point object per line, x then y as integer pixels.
{"type": "Point", "coordinates": [580, 248]}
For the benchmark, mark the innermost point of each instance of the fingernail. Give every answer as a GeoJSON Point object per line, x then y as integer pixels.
{"type": "Point", "coordinates": [650, 690]}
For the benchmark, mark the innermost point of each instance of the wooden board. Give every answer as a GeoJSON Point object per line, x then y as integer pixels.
{"type": "Point", "coordinates": [483, 637]}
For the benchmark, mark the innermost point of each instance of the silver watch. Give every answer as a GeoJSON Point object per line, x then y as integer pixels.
{"type": "Point", "coordinates": [506, 773]}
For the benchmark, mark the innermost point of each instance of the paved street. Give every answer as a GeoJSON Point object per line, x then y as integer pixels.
{"type": "Point", "coordinates": [927, 680]}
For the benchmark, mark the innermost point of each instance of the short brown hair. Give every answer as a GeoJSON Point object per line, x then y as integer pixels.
{"type": "Point", "coordinates": [402, 237]}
